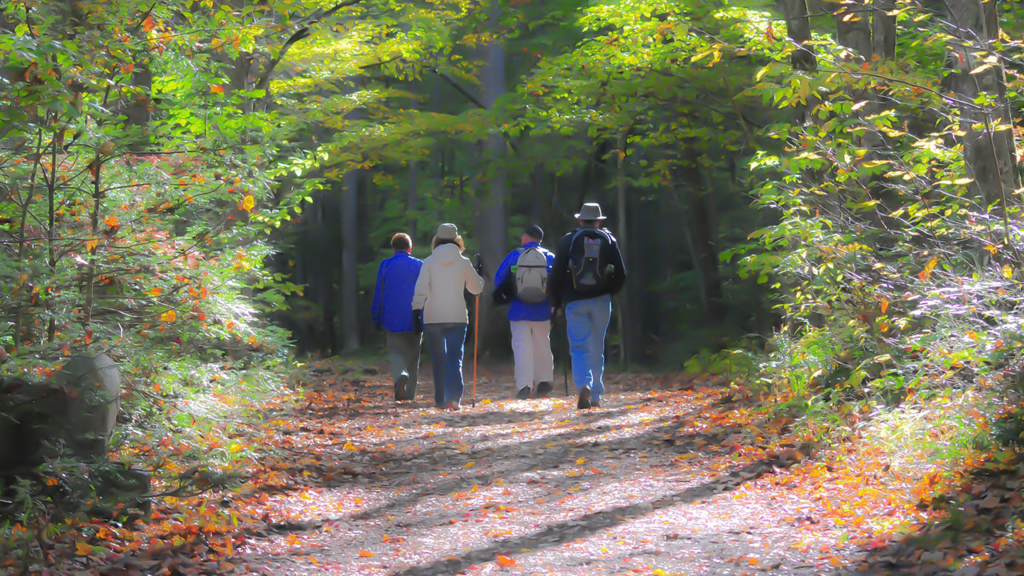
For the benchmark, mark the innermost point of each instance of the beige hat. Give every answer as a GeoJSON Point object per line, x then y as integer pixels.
{"type": "Point", "coordinates": [447, 231]}
{"type": "Point", "coordinates": [590, 211]}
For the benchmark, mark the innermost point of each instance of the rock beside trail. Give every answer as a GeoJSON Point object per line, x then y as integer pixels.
{"type": "Point", "coordinates": [71, 413]}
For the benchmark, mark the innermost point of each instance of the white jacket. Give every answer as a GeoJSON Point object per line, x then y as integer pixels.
{"type": "Point", "coordinates": [439, 289]}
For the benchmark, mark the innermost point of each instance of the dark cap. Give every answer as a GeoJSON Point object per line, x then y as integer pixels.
{"type": "Point", "coordinates": [534, 231]}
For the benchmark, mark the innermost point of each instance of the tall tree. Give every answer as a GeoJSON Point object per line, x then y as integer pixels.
{"type": "Point", "coordinates": [985, 116]}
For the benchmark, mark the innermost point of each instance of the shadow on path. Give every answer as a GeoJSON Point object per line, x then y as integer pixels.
{"type": "Point", "coordinates": [589, 524]}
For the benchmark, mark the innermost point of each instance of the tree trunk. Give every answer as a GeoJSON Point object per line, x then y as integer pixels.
{"type": "Point", "coordinates": [623, 311]}
{"type": "Point", "coordinates": [798, 29]}
{"type": "Point", "coordinates": [491, 226]}
{"type": "Point", "coordinates": [853, 27]}
{"type": "Point", "coordinates": [349, 260]}
{"type": "Point", "coordinates": [706, 247]}
{"type": "Point", "coordinates": [989, 149]}
{"type": "Point", "coordinates": [883, 25]}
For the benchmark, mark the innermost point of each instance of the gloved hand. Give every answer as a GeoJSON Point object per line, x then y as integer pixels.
{"type": "Point", "coordinates": [417, 321]}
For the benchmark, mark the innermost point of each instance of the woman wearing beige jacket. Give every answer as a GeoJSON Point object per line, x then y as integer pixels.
{"type": "Point", "coordinates": [445, 276]}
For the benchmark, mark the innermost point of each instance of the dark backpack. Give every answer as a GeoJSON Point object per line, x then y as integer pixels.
{"type": "Point", "coordinates": [588, 261]}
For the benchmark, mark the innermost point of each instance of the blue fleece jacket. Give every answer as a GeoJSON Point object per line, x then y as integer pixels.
{"type": "Point", "coordinates": [392, 299]}
{"type": "Point", "coordinates": [519, 310]}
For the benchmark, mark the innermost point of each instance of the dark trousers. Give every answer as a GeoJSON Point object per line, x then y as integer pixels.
{"type": "Point", "coordinates": [445, 342]}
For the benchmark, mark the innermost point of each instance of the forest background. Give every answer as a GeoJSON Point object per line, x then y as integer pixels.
{"type": "Point", "coordinates": [818, 199]}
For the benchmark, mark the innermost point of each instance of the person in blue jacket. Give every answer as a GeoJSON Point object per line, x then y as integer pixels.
{"type": "Point", "coordinates": [529, 313]}
{"type": "Point", "coordinates": [392, 311]}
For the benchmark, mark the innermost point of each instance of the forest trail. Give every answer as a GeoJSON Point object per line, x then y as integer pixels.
{"type": "Point", "coordinates": [661, 480]}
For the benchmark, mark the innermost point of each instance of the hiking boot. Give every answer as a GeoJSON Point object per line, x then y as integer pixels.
{"type": "Point", "coordinates": [400, 383]}
{"type": "Point", "coordinates": [454, 406]}
{"type": "Point", "coordinates": [583, 400]}
{"type": "Point", "coordinates": [523, 394]}
{"type": "Point", "coordinates": [544, 388]}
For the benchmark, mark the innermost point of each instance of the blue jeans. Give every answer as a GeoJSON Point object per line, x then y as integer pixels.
{"type": "Point", "coordinates": [587, 323]}
{"type": "Point", "coordinates": [445, 344]}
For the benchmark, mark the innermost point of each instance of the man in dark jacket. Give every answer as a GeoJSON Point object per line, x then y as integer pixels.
{"type": "Point", "coordinates": [587, 272]}
{"type": "Point", "coordinates": [392, 311]}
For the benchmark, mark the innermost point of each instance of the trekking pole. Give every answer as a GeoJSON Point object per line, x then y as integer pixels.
{"type": "Point", "coordinates": [476, 341]}
{"type": "Point", "coordinates": [476, 331]}
{"type": "Point", "coordinates": [568, 356]}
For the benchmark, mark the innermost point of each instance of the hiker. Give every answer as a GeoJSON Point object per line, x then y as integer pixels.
{"type": "Point", "coordinates": [587, 272]}
{"type": "Point", "coordinates": [439, 294]}
{"type": "Point", "coordinates": [523, 275]}
{"type": "Point", "coordinates": [392, 303]}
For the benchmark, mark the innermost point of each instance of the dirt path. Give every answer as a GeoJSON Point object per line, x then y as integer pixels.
{"type": "Point", "coordinates": [654, 482]}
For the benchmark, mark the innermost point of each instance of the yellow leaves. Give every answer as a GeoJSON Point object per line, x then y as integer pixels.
{"type": "Point", "coordinates": [580, 461]}
{"type": "Point", "coordinates": [169, 316]}
{"type": "Point", "coordinates": [993, 249]}
{"type": "Point", "coordinates": [485, 401]}
{"type": "Point", "coordinates": [247, 203]}
{"type": "Point", "coordinates": [1006, 272]}
{"type": "Point", "coordinates": [91, 245]}
{"type": "Point", "coordinates": [82, 549]}
{"type": "Point", "coordinates": [366, 554]}
{"type": "Point", "coordinates": [804, 90]}
{"type": "Point", "coordinates": [349, 446]}
{"type": "Point", "coordinates": [885, 305]}
{"type": "Point", "coordinates": [927, 272]}
{"type": "Point", "coordinates": [469, 465]}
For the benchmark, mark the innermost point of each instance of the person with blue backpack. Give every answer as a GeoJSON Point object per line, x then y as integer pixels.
{"type": "Point", "coordinates": [523, 277]}
{"type": "Point", "coordinates": [586, 273]}
{"type": "Point", "coordinates": [392, 311]}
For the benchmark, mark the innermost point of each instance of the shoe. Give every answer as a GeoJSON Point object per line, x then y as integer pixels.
{"type": "Point", "coordinates": [400, 383]}
{"type": "Point", "coordinates": [523, 393]}
{"type": "Point", "coordinates": [583, 400]}
{"type": "Point", "coordinates": [595, 403]}
{"type": "Point", "coordinates": [544, 388]}
{"type": "Point", "coordinates": [454, 406]}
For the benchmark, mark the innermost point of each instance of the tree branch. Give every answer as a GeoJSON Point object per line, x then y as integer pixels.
{"type": "Point", "coordinates": [264, 82]}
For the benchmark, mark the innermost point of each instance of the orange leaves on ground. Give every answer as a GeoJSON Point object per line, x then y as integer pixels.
{"type": "Point", "coordinates": [505, 561]}
{"type": "Point", "coordinates": [366, 554]}
{"type": "Point", "coordinates": [82, 549]}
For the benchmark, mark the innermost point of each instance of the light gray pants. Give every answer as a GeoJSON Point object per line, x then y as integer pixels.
{"type": "Point", "coordinates": [404, 354]}
{"type": "Point", "coordinates": [531, 348]}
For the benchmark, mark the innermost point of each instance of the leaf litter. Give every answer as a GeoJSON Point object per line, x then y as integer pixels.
{"type": "Point", "coordinates": [668, 477]}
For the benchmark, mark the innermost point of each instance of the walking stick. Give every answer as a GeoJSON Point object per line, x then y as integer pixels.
{"type": "Point", "coordinates": [568, 356]}
{"type": "Point", "coordinates": [476, 340]}
{"type": "Point", "coordinates": [476, 331]}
